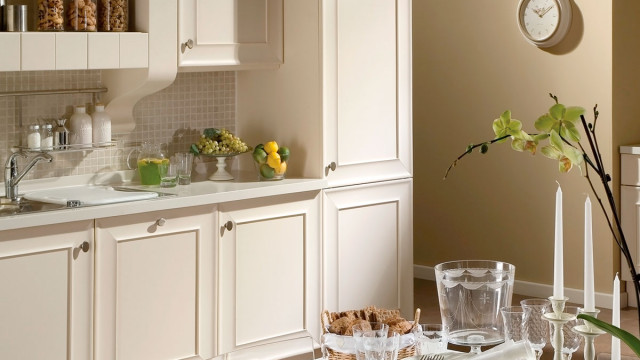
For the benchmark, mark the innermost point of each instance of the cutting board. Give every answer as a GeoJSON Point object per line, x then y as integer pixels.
{"type": "Point", "coordinates": [88, 195]}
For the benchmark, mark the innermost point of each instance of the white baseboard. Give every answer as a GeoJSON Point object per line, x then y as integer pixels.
{"type": "Point", "coordinates": [603, 300]}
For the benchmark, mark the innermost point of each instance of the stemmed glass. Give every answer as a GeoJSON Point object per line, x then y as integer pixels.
{"type": "Point", "coordinates": [535, 330]}
{"type": "Point", "coordinates": [571, 339]}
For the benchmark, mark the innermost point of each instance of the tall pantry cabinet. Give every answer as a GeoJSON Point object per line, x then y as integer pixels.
{"type": "Point", "coordinates": [342, 102]}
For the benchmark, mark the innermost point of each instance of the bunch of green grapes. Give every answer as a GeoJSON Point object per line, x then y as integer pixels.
{"type": "Point", "coordinates": [219, 142]}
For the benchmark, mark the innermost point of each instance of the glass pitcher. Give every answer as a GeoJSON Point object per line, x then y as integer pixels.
{"type": "Point", "coordinates": [151, 161]}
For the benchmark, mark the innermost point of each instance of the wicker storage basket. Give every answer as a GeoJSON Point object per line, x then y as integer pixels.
{"type": "Point", "coordinates": [405, 351]}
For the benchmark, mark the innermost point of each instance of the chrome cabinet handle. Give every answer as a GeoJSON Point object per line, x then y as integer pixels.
{"type": "Point", "coordinates": [332, 166]}
{"type": "Point", "coordinates": [229, 225]}
{"type": "Point", "coordinates": [161, 221]}
{"type": "Point", "coordinates": [186, 45]}
{"type": "Point", "coordinates": [84, 247]}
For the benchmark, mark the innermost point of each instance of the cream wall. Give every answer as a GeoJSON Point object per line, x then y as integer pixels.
{"type": "Point", "coordinates": [470, 64]}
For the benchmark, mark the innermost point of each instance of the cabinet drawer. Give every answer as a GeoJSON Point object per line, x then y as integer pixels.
{"type": "Point", "coordinates": [10, 54]}
{"type": "Point", "coordinates": [71, 51]}
{"type": "Point", "coordinates": [630, 169]}
{"type": "Point", "coordinates": [104, 51]}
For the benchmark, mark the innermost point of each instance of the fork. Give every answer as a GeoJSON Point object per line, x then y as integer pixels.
{"type": "Point", "coordinates": [432, 357]}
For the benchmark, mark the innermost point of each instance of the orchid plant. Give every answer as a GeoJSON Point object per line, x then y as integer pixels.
{"type": "Point", "coordinates": [559, 138]}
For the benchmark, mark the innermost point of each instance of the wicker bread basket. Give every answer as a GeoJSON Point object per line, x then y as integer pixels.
{"type": "Point", "coordinates": [333, 354]}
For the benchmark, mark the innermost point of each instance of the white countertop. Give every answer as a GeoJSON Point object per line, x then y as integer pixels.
{"type": "Point", "coordinates": [245, 186]}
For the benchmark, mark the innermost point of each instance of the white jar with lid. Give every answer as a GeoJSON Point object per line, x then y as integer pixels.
{"type": "Point", "coordinates": [33, 137]}
{"type": "Point", "coordinates": [101, 123]}
{"type": "Point", "coordinates": [81, 128]}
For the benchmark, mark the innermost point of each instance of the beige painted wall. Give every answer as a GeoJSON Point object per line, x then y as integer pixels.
{"type": "Point", "coordinates": [470, 64]}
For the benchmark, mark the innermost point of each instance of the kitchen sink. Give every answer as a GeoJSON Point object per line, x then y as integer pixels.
{"type": "Point", "coordinates": [8, 207]}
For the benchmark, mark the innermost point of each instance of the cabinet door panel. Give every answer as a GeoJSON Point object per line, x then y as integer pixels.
{"type": "Point", "coordinates": [46, 292]}
{"type": "Point", "coordinates": [368, 247]}
{"type": "Point", "coordinates": [270, 260]}
{"type": "Point", "coordinates": [367, 90]}
{"type": "Point", "coordinates": [155, 282]}
{"type": "Point", "coordinates": [230, 33]}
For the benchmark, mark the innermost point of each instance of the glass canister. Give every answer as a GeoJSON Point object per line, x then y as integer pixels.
{"type": "Point", "coordinates": [150, 161]}
{"type": "Point", "coordinates": [33, 136]}
{"type": "Point", "coordinates": [113, 15]}
{"type": "Point", "coordinates": [82, 15]}
{"type": "Point", "coordinates": [46, 137]}
{"type": "Point", "coordinates": [50, 15]}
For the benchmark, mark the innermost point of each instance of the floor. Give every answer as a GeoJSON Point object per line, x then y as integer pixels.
{"type": "Point", "coordinates": [426, 298]}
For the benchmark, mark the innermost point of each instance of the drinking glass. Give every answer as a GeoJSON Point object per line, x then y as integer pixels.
{"type": "Point", "coordinates": [430, 339]}
{"type": "Point", "coordinates": [571, 339]}
{"type": "Point", "coordinates": [535, 330]}
{"type": "Point", "coordinates": [365, 335]}
{"type": "Point", "coordinates": [512, 317]}
{"type": "Point", "coordinates": [185, 163]}
{"type": "Point", "coordinates": [169, 174]}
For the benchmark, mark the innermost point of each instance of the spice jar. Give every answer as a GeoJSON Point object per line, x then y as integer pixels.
{"type": "Point", "coordinates": [50, 15]}
{"type": "Point", "coordinates": [61, 134]}
{"type": "Point", "coordinates": [46, 137]}
{"type": "Point", "coordinates": [33, 137]}
{"type": "Point", "coordinates": [82, 15]}
{"type": "Point", "coordinates": [113, 15]}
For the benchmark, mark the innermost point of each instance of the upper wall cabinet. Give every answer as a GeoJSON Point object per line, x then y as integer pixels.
{"type": "Point", "coordinates": [29, 51]}
{"type": "Point", "coordinates": [233, 34]}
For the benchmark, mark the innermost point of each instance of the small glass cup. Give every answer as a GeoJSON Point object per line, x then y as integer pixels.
{"type": "Point", "coordinates": [169, 175]}
{"type": "Point", "coordinates": [512, 317]}
{"type": "Point", "coordinates": [184, 162]}
{"type": "Point", "coordinates": [430, 339]}
{"type": "Point", "coordinates": [365, 335]}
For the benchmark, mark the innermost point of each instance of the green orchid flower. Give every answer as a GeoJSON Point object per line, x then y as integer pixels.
{"type": "Point", "coordinates": [562, 120]}
{"type": "Point", "coordinates": [506, 126]}
{"type": "Point", "coordinates": [567, 156]}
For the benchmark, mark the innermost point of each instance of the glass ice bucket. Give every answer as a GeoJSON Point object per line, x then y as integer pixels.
{"type": "Point", "coordinates": [471, 293]}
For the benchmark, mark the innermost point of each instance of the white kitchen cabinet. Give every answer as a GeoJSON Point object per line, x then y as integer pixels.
{"type": "Point", "coordinates": [366, 90]}
{"type": "Point", "coordinates": [269, 269]}
{"type": "Point", "coordinates": [155, 285]}
{"type": "Point", "coordinates": [38, 51]}
{"type": "Point", "coordinates": [46, 287]}
{"type": "Point", "coordinates": [10, 45]}
{"type": "Point", "coordinates": [368, 247]}
{"type": "Point", "coordinates": [236, 34]}
{"type": "Point", "coordinates": [630, 211]}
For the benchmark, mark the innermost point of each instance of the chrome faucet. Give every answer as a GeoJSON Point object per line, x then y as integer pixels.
{"type": "Point", "coordinates": [11, 175]}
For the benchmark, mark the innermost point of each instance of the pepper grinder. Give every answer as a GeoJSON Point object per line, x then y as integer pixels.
{"type": "Point", "coordinates": [61, 135]}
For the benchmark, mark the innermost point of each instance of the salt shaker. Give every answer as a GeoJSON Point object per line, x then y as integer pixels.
{"type": "Point", "coordinates": [46, 137]}
{"type": "Point", "coordinates": [33, 137]}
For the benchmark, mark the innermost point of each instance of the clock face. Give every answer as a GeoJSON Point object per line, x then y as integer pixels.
{"type": "Point", "coordinates": [540, 18]}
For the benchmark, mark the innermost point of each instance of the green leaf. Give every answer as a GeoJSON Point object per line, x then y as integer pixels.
{"type": "Point", "coordinates": [544, 123]}
{"type": "Point", "coordinates": [211, 133]}
{"type": "Point", "coordinates": [626, 337]}
{"type": "Point", "coordinates": [557, 111]}
{"type": "Point", "coordinates": [194, 150]}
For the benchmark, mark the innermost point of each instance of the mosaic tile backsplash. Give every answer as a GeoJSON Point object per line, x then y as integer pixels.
{"type": "Point", "coordinates": [174, 116]}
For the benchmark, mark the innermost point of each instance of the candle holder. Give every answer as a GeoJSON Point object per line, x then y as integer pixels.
{"type": "Point", "coordinates": [558, 318]}
{"type": "Point", "coordinates": [589, 333]}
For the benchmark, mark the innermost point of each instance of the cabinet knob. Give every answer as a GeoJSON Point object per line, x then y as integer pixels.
{"type": "Point", "coordinates": [161, 221]}
{"type": "Point", "coordinates": [229, 225]}
{"type": "Point", "coordinates": [186, 45]}
{"type": "Point", "coordinates": [85, 246]}
{"type": "Point", "coordinates": [332, 166]}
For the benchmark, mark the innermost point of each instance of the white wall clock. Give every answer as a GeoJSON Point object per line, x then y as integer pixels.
{"type": "Point", "coordinates": [544, 23]}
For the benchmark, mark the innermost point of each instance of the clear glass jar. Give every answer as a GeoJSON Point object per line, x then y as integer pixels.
{"type": "Point", "coordinates": [50, 15]}
{"type": "Point", "coordinates": [46, 137]}
{"type": "Point", "coordinates": [82, 15]}
{"type": "Point", "coordinates": [33, 137]}
{"type": "Point", "coordinates": [113, 15]}
{"type": "Point", "coordinates": [150, 161]}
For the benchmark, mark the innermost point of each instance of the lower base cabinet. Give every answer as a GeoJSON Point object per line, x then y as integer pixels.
{"type": "Point", "coordinates": [269, 271]}
{"type": "Point", "coordinates": [155, 285]}
{"type": "Point", "coordinates": [46, 287]}
{"type": "Point", "coordinates": [368, 247]}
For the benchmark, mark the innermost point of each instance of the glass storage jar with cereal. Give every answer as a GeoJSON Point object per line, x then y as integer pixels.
{"type": "Point", "coordinates": [113, 15]}
{"type": "Point", "coordinates": [50, 15]}
{"type": "Point", "coordinates": [82, 15]}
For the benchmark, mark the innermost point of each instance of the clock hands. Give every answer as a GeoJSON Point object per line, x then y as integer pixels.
{"type": "Point", "coordinates": [546, 10]}
{"type": "Point", "coordinates": [542, 11]}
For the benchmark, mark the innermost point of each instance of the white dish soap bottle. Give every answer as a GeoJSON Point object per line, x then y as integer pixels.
{"type": "Point", "coordinates": [101, 124]}
{"type": "Point", "coordinates": [80, 128]}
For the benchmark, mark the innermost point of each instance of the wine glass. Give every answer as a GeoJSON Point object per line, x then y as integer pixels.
{"type": "Point", "coordinates": [535, 330]}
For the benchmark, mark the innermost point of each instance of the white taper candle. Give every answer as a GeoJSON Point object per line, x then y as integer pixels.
{"type": "Point", "coordinates": [589, 294]}
{"type": "Point", "coordinates": [558, 272]}
{"type": "Point", "coordinates": [615, 319]}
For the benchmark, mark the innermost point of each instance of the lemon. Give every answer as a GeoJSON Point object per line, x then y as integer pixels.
{"type": "Point", "coordinates": [273, 160]}
{"type": "Point", "coordinates": [282, 168]}
{"type": "Point", "coordinates": [157, 161]}
{"type": "Point", "coordinates": [271, 147]}
{"type": "Point", "coordinates": [266, 171]}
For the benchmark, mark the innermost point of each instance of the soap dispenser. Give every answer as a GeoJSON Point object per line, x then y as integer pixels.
{"type": "Point", "coordinates": [80, 127]}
